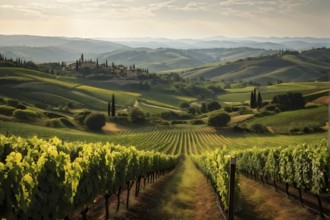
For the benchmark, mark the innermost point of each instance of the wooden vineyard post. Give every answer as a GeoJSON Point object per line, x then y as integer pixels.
{"type": "Point", "coordinates": [231, 189]}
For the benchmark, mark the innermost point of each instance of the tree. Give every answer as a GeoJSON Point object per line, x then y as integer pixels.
{"type": "Point", "coordinates": [109, 108]}
{"type": "Point", "coordinates": [113, 109]}
{"type": "Point", "coordinates": [204, 108]}
{"type": "Point", "coordinates": [289, 101]}
{"type": "Point", "coordinates": [214, 105]}
{"type": "Point", "coordinates": [253, 99]}
{"type": "Point", "coordinates": [82, 58]}
{"type": "Point", "coordinates": [106, 63]}
{"type": "Point", "coordinates": [185, 105]}
{"type": "Point", "coordinates": [97, 63]}
{"type": "Point", "coordinates": [137, 116]}
{"type": "Point", "coordinates": [192, 110]}
{"type": "Point", "coordinates": [259, 100]}
{"type": "Point", "coordinates": [219, 120]}
{"type": "Point", "coordinates": [95, 121]}
{"type": "Point", "coordinates": [77, 65]}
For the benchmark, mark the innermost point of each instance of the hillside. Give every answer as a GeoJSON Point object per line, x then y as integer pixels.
{"type": "Point", "coordinates": [53, 49]}
{"type": "Point", "coordinates": [166, 59]}
{"type": "Point", "coordinates": [308, 66]}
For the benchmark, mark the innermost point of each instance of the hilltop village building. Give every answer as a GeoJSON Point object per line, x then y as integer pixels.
{"type": "Point", "coordinates": [118, 70]}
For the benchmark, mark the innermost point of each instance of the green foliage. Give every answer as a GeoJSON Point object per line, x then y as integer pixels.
{"type": "Point", "coordinates": [289, 101]}
{"type": "Point", "coordinates": [95, 121]}
{"type": "Point", "coordinates": [137, 116]}
{"type": "Point", "coordinates": [258, 128]}
{"type": "Point", "coordinates": [12, 102]}
{"type": "Point", "coordinates": [171, 115]}
{"type": "Point", "coordinates": [80, 117]}
{"type": "Point", "coordinates": [119, 119]}
{"type": "Point", "coordinates": [113, 106]}
{"type": "Point", "coordinates": [6, 110]}
{"type": "Point", "coordinates": [214, 105]}
{"type": "Point", "coordinates": [219, 120]}
{"type": "Point", "coordinates": [305, 166]}
{"type": "Point", "coordinates": [197, 122]}
{"type": "Point", "coordinates": [185, 105]}
{"type": "Point", "coordinates": [49, 179]}
{"type": "Point", "coordinates": [204, 108]}
{"type": "Point", "coordinates": [176, 122]}
{"type": "Point", "coordinates": [28, 115]}
{"type": "Point", "coordinates": [215, 166]}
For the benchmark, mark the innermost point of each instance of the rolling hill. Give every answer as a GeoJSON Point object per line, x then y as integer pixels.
{"type": "Point", "coordinates": [166, 59]}
{"type": "Point", "coordinates": [53, 49]}
{"type": "Point", "coordinates": [310, 65]}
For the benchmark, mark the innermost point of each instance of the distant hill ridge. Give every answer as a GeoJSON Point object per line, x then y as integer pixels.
{"type": "Point", "coordinates": [155, 54]}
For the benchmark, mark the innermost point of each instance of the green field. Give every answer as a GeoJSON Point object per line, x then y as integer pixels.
{"type": "Point", "coordinates": [284, 121]}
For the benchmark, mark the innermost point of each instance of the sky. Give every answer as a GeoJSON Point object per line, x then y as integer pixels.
{"type": "Point", "coordinates": [166, 19]}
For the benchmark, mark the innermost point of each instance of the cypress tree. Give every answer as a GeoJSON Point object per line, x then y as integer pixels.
{"type": "Point", "coordinates": [204, 108]}
{"type": "Point", "coordinates": [97, 63]}
{"type": "Point", "coordinates": [259, 100]}
{"type": "Point", "coordinates": [77, 64]}
{"type": "Point", "coordinates": [109, 108]}
{"type": "Point", "coordinates": [251, 100]}
{"type": "Point", "coordinates": [113, 109]}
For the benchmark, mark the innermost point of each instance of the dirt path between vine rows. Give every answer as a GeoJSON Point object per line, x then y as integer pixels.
{"type": "Point", "coordinates": [185, 194]}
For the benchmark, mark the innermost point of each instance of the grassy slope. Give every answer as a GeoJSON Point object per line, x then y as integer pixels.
{"type": "Point", "coordinates": [303, 67]}
{"type": "Point", "coordinates": [37, 87]}
{"type": "Point", "coordinates": [283, 121]}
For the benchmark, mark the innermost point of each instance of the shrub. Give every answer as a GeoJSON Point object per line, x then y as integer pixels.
{"type": "Point", "coordinates": [95, 121]}
{"type": "Point", "coordinates": [159, 121]}
{"type": "Point", "coordinates": [137, 116]}
{"type": "Point", "coordinates": [306, 130]}
{"type": "Point", "coordinates": [289, 101]}
{"type": "Point", "coordinates": [228, 109]}
{"type": "Point", "coordinates": [214, 105]}
{"type": "Point", "coordinates": [54, 123]}
{"type": "Point", "coordinates": [27, 114]}
{"type": "Point", "coordinates": [21, 106]}
{"type": "Point", "coordinates": [12, 102]}
{"type": "Point", "coordinates": [197, 122]}
{"type": "Point", "coordinates": [81, 116]}
{"type": "Point", "coordinates": [277, 110]}
{"type": "Point", "coordinates": [271, 107]}
{"type": "Point", "coordinates": [258, 128]}
{"type": "Point", "coordinates": [6, 110]}
{"type": "Point", "coordinates": [219, 120]}
{"type": "Point", "coordinates": [119, 119]}
{"type": "Point", "coordinates": [185, 105]}
{"type": "Point", "coordinates": [293, 130]}
{"type": "Point", "coordinates": [175, 122]}
{"type": "Point", "coordinates": [245, 110]}
{"type": "Point", "coordinates": [170, 115]}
